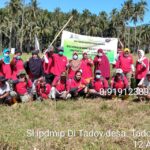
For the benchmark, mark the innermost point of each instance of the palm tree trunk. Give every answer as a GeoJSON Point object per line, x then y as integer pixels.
{"type": "Point", "coordinates": [135, 39]}
{"type": "Point", "coordinates": [10, 35]}
{"type": "Point", "coordinates": [1, 45]}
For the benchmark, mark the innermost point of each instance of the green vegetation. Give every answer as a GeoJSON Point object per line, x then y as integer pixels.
{"type": "Point", "coordinates": [20, 23]}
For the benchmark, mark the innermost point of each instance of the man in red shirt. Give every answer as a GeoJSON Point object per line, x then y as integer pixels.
{"type": "Point", "coordinates": [60, 62]}
{"type": "Point", "coordinates": [125, 62]}
{"type": "Point", "coordinates": [77, 86]}
{"type": "Point", "coordinates": [59, 87]}
{"type": "Point", "coordinates": [119, 83]}
{"type": "Point", "coordinates": [98, 86]}
{"type": "Point", "coordinates": [23, 87]}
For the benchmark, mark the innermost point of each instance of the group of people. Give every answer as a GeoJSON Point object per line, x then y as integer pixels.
{"type": "Point", "coordinates": [54, 76]}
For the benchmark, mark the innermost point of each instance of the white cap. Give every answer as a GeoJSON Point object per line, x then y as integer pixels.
{"type": "Point", "coordinates": [119, 71]}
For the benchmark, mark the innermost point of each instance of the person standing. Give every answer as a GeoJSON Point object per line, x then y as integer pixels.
{"type": "Point", "coordinates": [34, 66]}
{"type": "Point", "coordinates": [101, 63]}
{"type": "Point", "coordinates": [142, 66]}
{"type": "Point", "coordinates": [86, 67]}
{"type": "Point", "coordinates": [60, 62]}
{"type": "Point", "coordinates": [17, 64]}
{"type": "Point", "coordinates": [126, 63]}
{"type": "Point", "coordinates": [5, 64]}
{"type": "Point", "coordinates": [74, 65]}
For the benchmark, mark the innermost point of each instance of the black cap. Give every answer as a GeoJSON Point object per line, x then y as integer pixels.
{"type": "Point", "coordinates": [35, 52]}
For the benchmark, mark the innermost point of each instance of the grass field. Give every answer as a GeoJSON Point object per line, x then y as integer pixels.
{"type": "Point", "coordinates": [112, 122]}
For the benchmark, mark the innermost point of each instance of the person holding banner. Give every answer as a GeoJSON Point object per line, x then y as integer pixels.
{"type": "Point", "coordinates": [101, 63]}
{"type": "Point", "coordinates": [142, 66]}
{"type": "Point", "coordinates": [17, 64]}
{"type": "Point", "coordinates": [74, 65]}
{"type": "Point", "coordinates": [60, 62]}
{"type": "Point", "coordinates": [86, 67]}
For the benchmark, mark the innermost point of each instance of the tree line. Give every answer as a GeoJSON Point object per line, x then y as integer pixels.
{"type": "Point", "coordinates": [20, 22]}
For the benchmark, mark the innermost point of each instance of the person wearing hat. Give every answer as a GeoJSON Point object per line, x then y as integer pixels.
{"type": "Point", "coordinates": [34, 66]}
{"type": "Point", "coordinates": [48, 64]}
{"type": "Point", "coordinates": [5, 97]}
{"type": "Point", "coordinates": [142, 66]}
{"type": "Point", "coordinates": [77, 86]}
{"type": "Point", "coordinates": [42, 88]}
{"type": "Point", "coordinates": [98, 86]}
{"type": "Point", "coordinates": [59, 87]}
{"type": "Point", "coordinates": [144, 88]}
{"type": "Point", "coordinates": [119, 83]}
{"type": "Point", "coordinates": [101, 63]}
{"type": "Point", "coordinates": [16, 64]}
{"type": "Point", "coordinates": [60, 62]}
{"type": "Point", "coordinates": [5, 66]}
{"type": "Point", "coordinates": [126, 63]}
{"type": "Point", "coordinates": [74, 65]}
{"type": "Point", "coordinates": [86, 67]}
{"type": "Point", "coordinates": [23, 87]}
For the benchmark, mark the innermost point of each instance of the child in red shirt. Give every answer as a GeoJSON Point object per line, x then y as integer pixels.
{"type": "Point", "coordinates": [42, 88]}
{"type": "Point", "coordinates": [23, 87]}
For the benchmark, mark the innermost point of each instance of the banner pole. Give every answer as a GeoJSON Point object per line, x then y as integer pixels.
{"type": "Point", "coordinates": [61, 31]}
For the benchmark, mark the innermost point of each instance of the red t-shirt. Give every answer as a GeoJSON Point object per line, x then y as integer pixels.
{"type": "Point", "coordinates": [86, 66]}
{"type": "Point", "coordinates": [125, 63]}
{"type": "Point", "coordinates": [47, 67]}
{"type": "Point", "coordinates": [43, 91]}
{"type": "Point", "coordinates": [119, 84]}
{"type": "Point", "coordinates": [59, 84]}
{"type": "Point", "coordinates": [21, 87]}
{"type": "Point", "coordinates": [72, 83]}
{"type": "Point", "coordinates": [60, 63]}
{"type": "Point", "coordinates": [141, 71]}
{"type": "Point", "coordinates": [19, 66]}
{"type": "Point", "coordinates": [98, 84]}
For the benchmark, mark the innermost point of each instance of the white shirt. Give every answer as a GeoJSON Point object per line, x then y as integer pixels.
{"type": "Point", "coordinates": [4, 88]}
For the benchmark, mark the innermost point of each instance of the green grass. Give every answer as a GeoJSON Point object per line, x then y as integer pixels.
{"type": "Point", "coordinates": [82, 114]}
{"type": "Point", "coordinates": [98, 115]}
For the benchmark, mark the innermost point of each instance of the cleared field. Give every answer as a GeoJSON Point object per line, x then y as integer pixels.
{"type": "Point", "coordinates": [88, 124]}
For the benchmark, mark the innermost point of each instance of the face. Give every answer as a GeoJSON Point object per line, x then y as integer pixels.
{"type": "Point", "coordinates": [100, 54]}
{"type": "Point", "coordinates": [85, 56]}
{"type": "Point", "coordinates": [22, 77]}
{"type": "Point", "coordinates": [78, 76]}
{"type": "Point", "coordinates": [7, 53]}
{"type": "Point", "coordinates": [1, 84]}
{"type": "Point", "coordinates": [34, 56]}
{"type": "Point", "coordinates": [139, 54]}
{"type": "Point", "coordinates": [63, 77]}
{"type": "Point", "coordinates": [75, 56]}
{"type": "Point", "coordinates": [148, 77]}
{"type": "Point", "coordinates": [98, 76]}
{"type": "Point", "coordinates": [118, 75]}
{"type": "Point", "coordinates": [126, 54]}
{"type": "Point", "coordinates": [60, 53]}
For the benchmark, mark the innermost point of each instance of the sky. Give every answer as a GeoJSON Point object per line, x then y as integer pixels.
{"type": "Point", "coordinates": [95, 6]}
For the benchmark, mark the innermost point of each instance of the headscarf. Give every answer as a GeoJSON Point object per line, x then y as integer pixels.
{"type": "Point", "coordinates": [143, 55]}
{"type": "Point", "coordinates": [6, 58]}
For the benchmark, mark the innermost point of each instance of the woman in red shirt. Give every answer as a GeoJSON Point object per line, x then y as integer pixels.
{"type": "Point", "coordinates": [142, 66]}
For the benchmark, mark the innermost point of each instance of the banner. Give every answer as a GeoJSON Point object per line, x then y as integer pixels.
{"type": "Point", "coordinates": [80, 43]}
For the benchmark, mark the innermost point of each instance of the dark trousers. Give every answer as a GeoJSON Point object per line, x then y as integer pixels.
{"type": "Point", "coordinates": [7, 100]}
